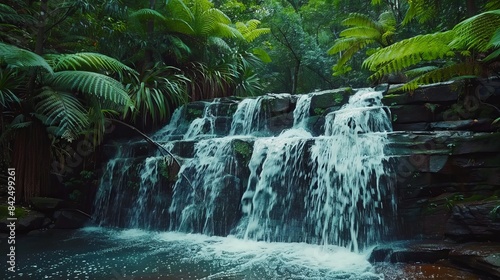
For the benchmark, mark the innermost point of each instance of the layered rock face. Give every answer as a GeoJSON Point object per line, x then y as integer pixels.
{"type": "Point", "coordinates": [448, 150]}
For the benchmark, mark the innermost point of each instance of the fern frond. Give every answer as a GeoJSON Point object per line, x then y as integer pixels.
{"type": "Point", "coordinates": [409, 52]}
{"type": "Point", "coordinates": [250, 30]}
{"type": "Point", "coordinates": [492, 56]}
{"type": "Point", "coordinates": [419, 71]}
{"type": "Point", "coordinates": [492, 5]}
{"type": "Point", "coordinates": [342, 44]}
{"type": "Point", "coordinates": [495, 39]}
{"type": "Point", "coordinates": [349, 53]}
{"type": "Point", "coordinates": [90, 83]}
{"type": "Point", "coordinates": [477, 31]}
{"type": "Point", "coordinates": [63, 110]}
{"type": "Point", "coordinates": [423, 10]}
{"type": "Point", "coordinates": [179, 26]}
{"type": "Point", "coordinates": [147, 14]}
{"type": "Point", "coordinates": [88, 62]}
{"type": "Point", "coordinates": [444, 74]}
{"type": "Point", "coordinates": [357, 19]}
{"type": "Point", "coordinates": [8, 83]}
{"type": "Point", "coordinates": [388, 21]}
{"type": "Point", "coordinates": [361, 32]}
{"type": "Point", "coordinates": [17, 57]}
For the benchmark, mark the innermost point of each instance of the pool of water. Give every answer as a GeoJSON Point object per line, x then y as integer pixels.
{"type": "Point", "coordinates": [100, 253]}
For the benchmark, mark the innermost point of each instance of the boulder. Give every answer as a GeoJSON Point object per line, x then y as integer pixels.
{"type": "Point", "coordinates": [70, 219]}
{"type": "Point", "coordinates": [46, 204]}
{"type": "Point", "coordinates": [484, 257]}
{"type": "Point", "coordinates": [474, 221]}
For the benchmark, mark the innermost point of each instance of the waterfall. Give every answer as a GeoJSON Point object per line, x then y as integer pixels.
{"type": "Point", "coordinates": [345, 199]}
{"type": "Point", "coordinates": [325, 190]}
{"type": "Point", "coordinates": [248, 118]}
{"type": "Point", "coordinates": [236, 179]}
{"type": "Point", "coordinates": [301, 111]}
{"type": "Point", "coordinates": [200, 203]}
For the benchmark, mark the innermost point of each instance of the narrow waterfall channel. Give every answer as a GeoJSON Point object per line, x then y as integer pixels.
{"type": "Point", "coordinates": [324, 188]}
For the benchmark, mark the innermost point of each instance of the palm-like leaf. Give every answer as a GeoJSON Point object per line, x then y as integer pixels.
{"type": "Point", "coordinates": [364, 31]}
{"type": "Point", "coordinates": [63, 110]}
{"type": "Point", "coordinates": [8, 84]}
{"type": "Point", "coordinates": [94, 62]}
{"type": "Point", "coordinates": [250, 29]}
{"type": "Point", "coordinates": [17, 57]}
{"type": "Point", "coordinates": [157, 90]}
{"type": "Point", "coordinates": [409, 52]}
{"type": "Point", "coordinates": [423, 10]}
{"type": "Point", "coordinates": [466, 69]}
{"type": "Point", "coordinates": [476, 32]}
{"type": "Point", "coordinates": [90, 83]}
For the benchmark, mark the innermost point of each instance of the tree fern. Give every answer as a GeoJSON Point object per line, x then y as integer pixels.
{"type": "Point", "coordinates": [364, 31]}
{"type": "Point", "coordinates": [147, 14]}
{"type": "Point", "coordinates": [94, 62]}
{"type": "Point", "coordinates": [63, 110]}
{"type": "Point", "coordinates": [8, 84]}
{"type": "Point", "coordinates": [409, 52]}
{"type": "Point", "coordinates": [476, 32]}
{"type": "Point", "coordinates": [17, 57]}
{"type": "Point", "coordinates": [250, 30]}
{"type": "Point", "coordinates": [465, 69]}
{"type": "Point", "coordinates": [422, 10]}
{"type": "Point", "coordinates": [91, 83]}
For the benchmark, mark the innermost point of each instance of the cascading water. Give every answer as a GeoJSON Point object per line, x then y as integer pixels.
{"type": "Point", "coordinates": [348, 186]}
{"type": "Point", "coordinates": [248, 118]}
{"type": "Point", "coordinates": [258, 185]}
{"type": "Point", "coordinates": [340, 174]}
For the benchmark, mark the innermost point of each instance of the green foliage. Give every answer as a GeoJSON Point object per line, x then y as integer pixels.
{"type": "Point", "coordinates": [19, 212]}
{"type": "Point", "coordinates": [409, 52]}
{"type": "Point", "coordinates": [423, 10]}
{"type": "Point", "coordinates": [364, 32]}
{"type": "Point", "coordinates": [61, 109]}
{"type": "Point", "coordinates": [477, 32]}
{"type": "Point", "coordinates": [155, 92]}
{"type": "Point", "coordinates": [95, 62]}
{"type": "Point", "coordinates": [243, 149]}
{"type": "Point", "coordinates": [20, 58]}
{"type": "Point", "coordinates": [473, 35]}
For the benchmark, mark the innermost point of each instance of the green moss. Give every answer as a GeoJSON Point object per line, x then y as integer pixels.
{"type": "Point", "coordinates": [338, 97]}
{"type": "Point", "coordinates": [319, 111]}
{"type": "Point", "coordinates": [163, 168]}
{"type": "Point", "coordinates": [19, 212]}
{"type": "Point", "coordinates": [243, 149]}
{"type": "Point", "coordinates": [193, 113]}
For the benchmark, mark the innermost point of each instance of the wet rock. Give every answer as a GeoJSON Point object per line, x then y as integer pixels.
{"type": "Point", "coordinates": [437, 93]}
{"type": "Point", "coordinates": [425, 271]}
{"type": "Point", "coordinates": [483, 257]}
{"type": "Point", "coordinates": [46, 204]}
{"type": "Point", "coordinates": [281, 103]}
{"type": "Point", "coordinates": [70, 219]}
{"type": "Point", "coordinates": [411, 114]}
{"type": "Point", "coordinates": [32, 221]}
{"type": "Point", "coordinates": [474, 221]}
{"type": "Point", "coordinates": [280, 122]}
{"type": "Point", "coordinates": [329, 98]}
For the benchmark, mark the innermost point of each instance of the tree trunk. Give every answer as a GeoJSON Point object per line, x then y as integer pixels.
{"type": "Point", "coordinates": [471, 8]}
{"type": "Point", "coordinates": [31, 158]}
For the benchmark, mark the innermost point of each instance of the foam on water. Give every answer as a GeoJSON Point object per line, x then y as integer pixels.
{"type": "Point", "coordinates": [138, 254]}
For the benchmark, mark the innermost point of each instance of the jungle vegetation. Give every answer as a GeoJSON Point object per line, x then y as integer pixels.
{"type": "Point", "coordinates": [68, 66]}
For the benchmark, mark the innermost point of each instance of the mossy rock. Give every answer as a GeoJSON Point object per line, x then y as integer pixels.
{"type": "Point", "coordinates": [46, 203]}
{"type": "Point", "coordinates": [243, 150]}
{"type": "Point", "coordinates": [19, 212]}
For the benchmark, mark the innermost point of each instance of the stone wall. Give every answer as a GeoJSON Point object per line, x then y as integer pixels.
{"type": "Point", "coordinates": [447, 151]}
